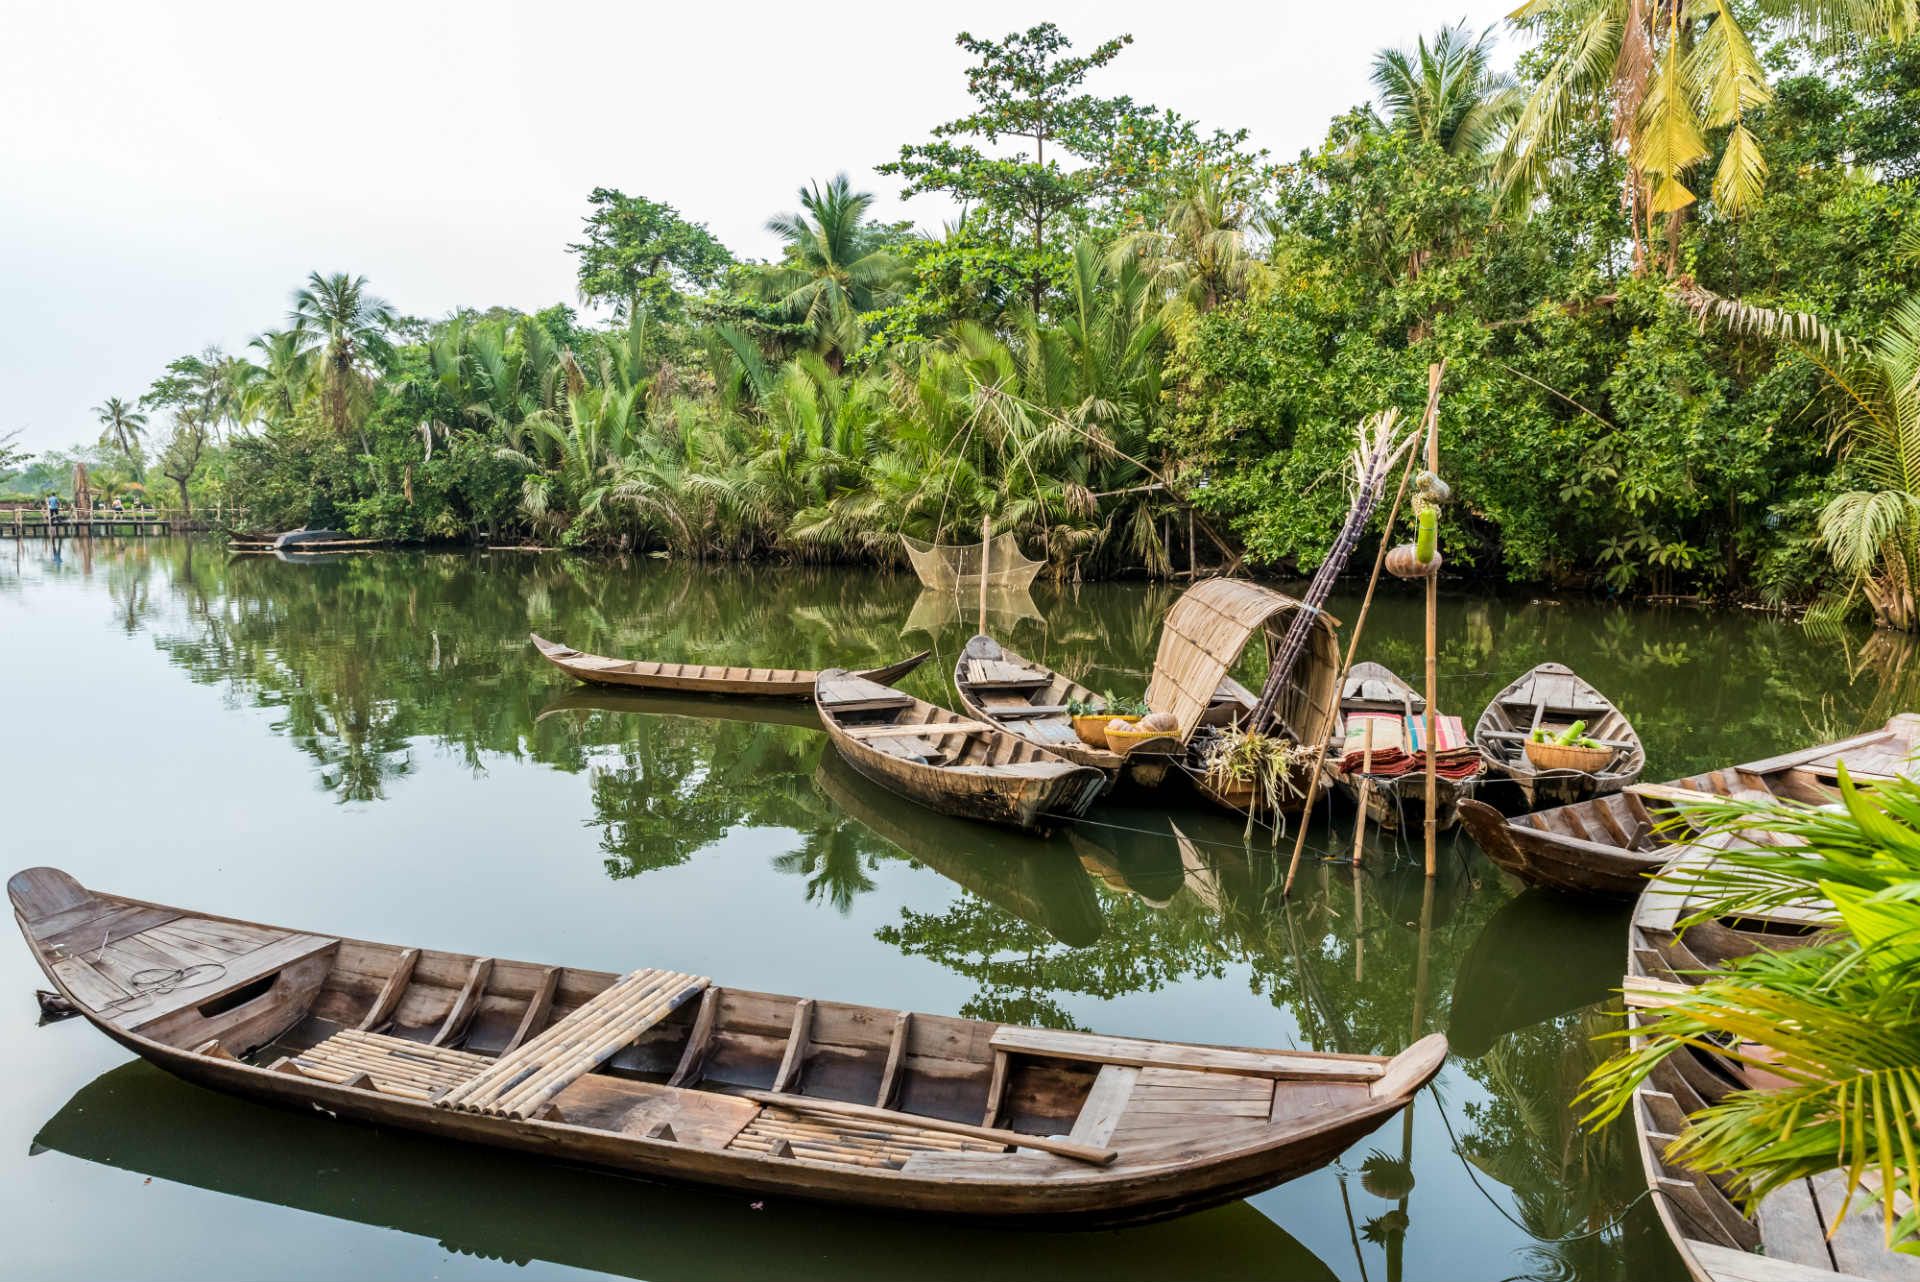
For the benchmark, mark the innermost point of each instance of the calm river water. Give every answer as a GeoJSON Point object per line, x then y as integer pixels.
{"type": "Point", "coordinates": [368, 746]}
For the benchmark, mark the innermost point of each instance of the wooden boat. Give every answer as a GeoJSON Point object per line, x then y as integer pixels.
{"type": "Point", "coordinates": [1205, 633]}
{"type": "Point", "coordinates": [667, 1075]}
{"type": "Point", "coordinates": [1797, 1230]}
{"type": "Point", "coordinates": [1031, 700]}
{"type": "Point", "coordinates": [1611, 844]}
{"type": "Point", "coordinates": [702, 678]}
{"type": "Point", "coordinates": [950, 763]}
{"type": "Point", "coordinates": [1396, 792]}
{"type": "Point", "coordinates": [1553, 697]}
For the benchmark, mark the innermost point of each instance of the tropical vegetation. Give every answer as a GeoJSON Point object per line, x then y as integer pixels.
{"type": "Point", "coordinates": [1144, 344]}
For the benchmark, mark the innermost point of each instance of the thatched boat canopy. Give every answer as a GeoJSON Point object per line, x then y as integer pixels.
{"type": "Point", "coordinates": [1204, 635]}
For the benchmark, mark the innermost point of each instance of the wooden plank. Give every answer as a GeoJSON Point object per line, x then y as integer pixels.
{"type": "Point", "coordinates": [89, 987]}
{"type": "Point", "coordinates": [391, 992]}
{"type": "Point", "coordinates": [538, 1008]}
{"type": "Point", "coordinates": [1105, 1102]}
{"type": "Point", "coordinates": [1858, 1242]}
{"type": "Point", "coordinates": [1790, 1227]}
{"type": "Point", "coordinates": [837, 1108]}
{"type": "Point", "coordinates": [241, 971]}
{"type": "Point", "coordinates": [1724, 1264]}
{"type": "Point", "coordinates": [1097, 1049]}
{"type": "Point", "coordinates": [930, 729]}
{"type": "Point", "coordinates": [465, 1004]}
{"type": "Point", "coordinates": [89, 936]}
{"type": "Point", "coordinates": [996, 1089]}
{"type": "Point", "coordinates": [795, 1056]}
{"type": "Point", "coordinates": [688, 1070]}
{"type": "Point", "coordinates": [896, 1055]}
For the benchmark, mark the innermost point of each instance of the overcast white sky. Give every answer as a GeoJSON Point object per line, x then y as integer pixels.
{"type": "Point", "coordinates": [170, 172]}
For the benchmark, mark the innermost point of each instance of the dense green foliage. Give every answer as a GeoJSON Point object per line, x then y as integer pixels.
{"type": "Point", "coordinates": [1143, 346]}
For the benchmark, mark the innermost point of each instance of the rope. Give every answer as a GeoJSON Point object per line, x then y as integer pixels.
{"type": "Point", "coordinates": [1459, 1152]}
{"type": "Point", "coordinates": [148, 984]}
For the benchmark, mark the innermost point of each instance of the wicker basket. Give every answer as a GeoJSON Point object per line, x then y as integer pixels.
{"type": "Point", "coordinates": [1092, 729]}
{"type": "Point", "coordinates": [1127, 742]}
{"type": "Point", "coordinates": [1565, 756]}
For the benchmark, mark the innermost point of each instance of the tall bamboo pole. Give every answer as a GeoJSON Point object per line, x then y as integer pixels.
{"type": "Point", "coordinates": [986, 548]}
{"type": "Point", "coordinates": [1433, 632]}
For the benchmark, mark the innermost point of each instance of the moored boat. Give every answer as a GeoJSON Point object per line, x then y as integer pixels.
{"type": "Point", "coordinates": [1377, 756]}
{"type": "Point", "coordinates": [1036, 703]}
{"type": "Point", "coordinates": [1553, 697]}
{"type": "Point", "coordinates": [702, 678]}
{"type": "Point", "coordinates": [665, 1074]}
{"type": "Point", "coordinates": [1611, 844]}
{"type": "Point", "coordinates": [953, 764]}
{"type": "Point", "coordinates": [1808, 1230]}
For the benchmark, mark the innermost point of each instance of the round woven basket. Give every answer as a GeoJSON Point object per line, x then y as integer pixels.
{"type": "Point", "coordinates": [1126, 743]}
{"type": "Point", "coordinates": [1564, 756]}
{"type": "Point", "coordinates": [1092, 729]}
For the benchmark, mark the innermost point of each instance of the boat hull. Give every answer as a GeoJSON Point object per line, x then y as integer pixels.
{"type": "Point", "coordinates": [1036, 804]}
{"type": "Point", "coordinates": [706, 679]}
{"type": "Point", "coordinates": [1562, 863]}
{"type": "Point", "coordinates": [1142, 1154]}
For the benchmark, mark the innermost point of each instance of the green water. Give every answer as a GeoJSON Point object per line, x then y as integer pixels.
{"type": "Point", "coordinates": [368, 746]}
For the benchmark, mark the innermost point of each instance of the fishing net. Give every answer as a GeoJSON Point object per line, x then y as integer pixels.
{"type": "Point", "coordinates": [948, 567]}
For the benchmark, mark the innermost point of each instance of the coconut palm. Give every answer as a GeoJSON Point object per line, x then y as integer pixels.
{"type": "Point", "coordinates": [1200, 254]}
{"type": "Point", "coordinates": [832, 271]}
{"type": "Point", "coordinates": [1833, 1019]}
{"type": "Point", "coordinates": [1667, 72]}
{"type": "Point", "coordinates": [1872, 531]}
{"type": "Point", "coordinates": [345, 329]}
{"type": "Point", "coordinates": [1446, 93]}
{"type": "Point", "coordinates": [121, 426]}
{"type": "Point", "coordinates": [277, 387]}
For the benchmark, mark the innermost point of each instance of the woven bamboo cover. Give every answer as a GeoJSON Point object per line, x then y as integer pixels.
{"type": "Point", "coordinates": [1203, 636]}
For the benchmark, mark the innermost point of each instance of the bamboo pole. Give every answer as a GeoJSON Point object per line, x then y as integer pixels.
{"type": "Point", "coordinates": [607, 1040]}
{"type": "Point", "coordinates": [835, 1108]}
{"type": "Point", "coordinates": [537, 1050]}
{"type": "Point", "coordinates": [986, 551]}
{"type": "Point", "coordinates": [1433, 633]}
{"type": "Point", "coordinates": [1366, 791]}
{"type": "Point", "coordinates": [1353, 645]}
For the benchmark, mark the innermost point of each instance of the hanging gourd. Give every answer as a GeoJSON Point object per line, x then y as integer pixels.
{"type": "Point", "coordinates": [1421, 558]}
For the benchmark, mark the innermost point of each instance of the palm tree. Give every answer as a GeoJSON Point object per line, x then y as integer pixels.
{"type": "Point", "coordinates": [1199, 255]}
{"type": "Point", "coordinates": [122, 425]}
{"type": "Point", "coordinates": [345, 329]}
{"type": "Point", "coordinates": [1872, 532]}
{"type": "Point", "coordinates": [276, 389]}
{"type": "Point", "coordinates": [1667, 71]}
{"type": "Point", "coordinates": [832, 271]}
{"type": "Point", "coordinates": [1446, 93]}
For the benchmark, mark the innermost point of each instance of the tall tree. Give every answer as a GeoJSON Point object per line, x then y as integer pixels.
{"type": "Point", "coordinates": [121, 426]}
{"type": "Point", "coordinates": [345, 328]}
{"type": "Point", "coordinates": [641, 252]}
{"type": "Point", "coordinates": [1667, 72]}
{"type": "Point", "coordinates": [833, 269]}
{"type": "Point", "coordinates": [1446, 92]}
{"type": "Point", "coordinates": [180, 457]}
{"type": "Point", "coordinates": [1026, 87]}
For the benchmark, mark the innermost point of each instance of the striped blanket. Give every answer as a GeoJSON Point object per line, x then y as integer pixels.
{"type": "Point", "coordinates": [1399, 745]}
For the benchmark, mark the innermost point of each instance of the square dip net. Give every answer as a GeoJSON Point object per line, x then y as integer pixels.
{"type": "Point", "coordinates": [949, 567]}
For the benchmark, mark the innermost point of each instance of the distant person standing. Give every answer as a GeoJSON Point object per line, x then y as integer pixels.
{"type": "Point", "coordinates": [53, 507]}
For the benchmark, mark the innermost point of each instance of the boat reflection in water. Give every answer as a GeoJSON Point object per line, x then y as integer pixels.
{"type": "Point", "coordinates": [495, 1205]}
{"type": "Point", "coordinates": [1501, 987]}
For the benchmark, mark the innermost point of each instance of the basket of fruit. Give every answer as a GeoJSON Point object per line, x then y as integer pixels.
{"type": "Point", "coordinates": [1568, 749]}
{"type": "Point", "coordinates": [1154, 732]}
{"type": "Point", "coordinates": [1091, 717]}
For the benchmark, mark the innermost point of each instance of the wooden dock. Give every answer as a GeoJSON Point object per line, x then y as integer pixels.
{"type": "Point", "coordinates": [21, 524]}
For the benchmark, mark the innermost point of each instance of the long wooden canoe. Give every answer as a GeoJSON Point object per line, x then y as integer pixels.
{"type": "Point", "coordinates": [1031, 700]}
{"type": "Point", "coordinates": [953, 764]}
{"type": "Point", "coordinates": [668, 1075]}
{"type": "Point", "coordinates": [1553, 697]}
{"type": "Point", "coordinates": [1611, 844]}
{"type": "Point", "coordinates": [1797, 1230]}
{"type": "Point", "coordinates": [702, 678]}
{"type": "Point", "coordinates": [1400, 796]}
